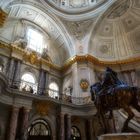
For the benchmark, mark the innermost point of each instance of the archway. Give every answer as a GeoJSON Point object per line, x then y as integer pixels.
{"type": "Point", "coordinates": [39, 130]}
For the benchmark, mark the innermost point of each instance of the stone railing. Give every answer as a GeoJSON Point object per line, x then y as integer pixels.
{"type": "Point", "coordinates": [30, 88]}
{"type": "Point", "coordinates": [76, 100]}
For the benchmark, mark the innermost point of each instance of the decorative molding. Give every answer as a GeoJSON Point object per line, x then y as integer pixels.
{"type": "Point", "coordinates": [31, 57]}
{"type": "Point", "coordinates": [78, 29]}
{"type": "Point", "coordinates": [94, 60]}
{"type": "Point", "coordinates": [69, 62]}
{"type": "Point", "coordinates": [73, 11]}
{"type": "Point", "coordinates": [84, 84]}
{"type": "Point", "coordinates": [3, 16]}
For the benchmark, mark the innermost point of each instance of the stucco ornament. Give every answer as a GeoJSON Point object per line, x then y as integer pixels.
{"type": "Point", "coordinates": [84, 84]}
{"type": "Point", "coordinates": [3, 17]}
{"type": "Point", "coordinates": [32, 57]}
{"type": "Point", "coordinates": [43, 108]}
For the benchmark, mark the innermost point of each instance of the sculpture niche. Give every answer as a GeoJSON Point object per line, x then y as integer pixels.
{"type": "Point", "coordinates": [112, 94]}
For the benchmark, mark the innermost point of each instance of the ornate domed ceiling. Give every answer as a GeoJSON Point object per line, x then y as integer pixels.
{"type": "Point", "coordinates": [116, 34]}
{"type": "Point", "coordinates": [77, 9]}
{"type": "Point", "coordinates": [75, 4]}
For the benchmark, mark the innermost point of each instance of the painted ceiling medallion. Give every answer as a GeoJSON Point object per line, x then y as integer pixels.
{"type": "Point", "coordinates": [77, 9]}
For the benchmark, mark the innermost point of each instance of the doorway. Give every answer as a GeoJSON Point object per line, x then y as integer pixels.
{"type": "Point", "coordinates": [39, 130]}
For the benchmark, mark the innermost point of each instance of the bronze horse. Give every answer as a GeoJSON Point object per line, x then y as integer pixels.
{"type": "Point", "coordinates": [120, 96]}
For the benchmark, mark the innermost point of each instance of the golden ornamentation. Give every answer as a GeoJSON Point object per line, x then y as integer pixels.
{"type": "Point", "coordinates": [3, 16]}
{"type": "Point", "coordinates": [94, 60]}
{"type": "Point", "coordinates": [75, 120]}
{"type": "Point", "coordinates": [31, 57]}
{"type": "Point", "coordinates": [84, 84]}
{"type": "Point", "coordinates": [43, 107]}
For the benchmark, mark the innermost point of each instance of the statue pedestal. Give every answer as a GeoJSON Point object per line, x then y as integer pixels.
{"type": "Point", "coordinates": [120, 136]}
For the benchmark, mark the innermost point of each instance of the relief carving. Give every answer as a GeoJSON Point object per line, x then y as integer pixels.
{"type": "Point", "coordinates": [78, 29]}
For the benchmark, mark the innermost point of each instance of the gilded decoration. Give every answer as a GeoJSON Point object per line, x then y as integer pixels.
{"type": "Point", "coordinates": [3, 16]}
{"type": "Point", "coordinates": [31, 57]}
{"type": "Point", "coordinates": [43, 107]}
{"type": "Point", "coordinates": [35, 60]}
{"type": "Point", "coordinates": [84, 84]}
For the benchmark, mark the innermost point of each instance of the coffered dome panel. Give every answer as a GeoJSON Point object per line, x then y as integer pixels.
{"type": "Point", "coordinates": [115, 36]}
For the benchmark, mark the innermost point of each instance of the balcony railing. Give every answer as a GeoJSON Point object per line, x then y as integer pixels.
{"type": "Point", "coordinates": [27, 86]}
{"type": "Point", "coordinates": [66, 97]}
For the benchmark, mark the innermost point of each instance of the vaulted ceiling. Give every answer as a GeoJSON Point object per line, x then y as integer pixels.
{"type": "Point", "coordinates": [117, 32]}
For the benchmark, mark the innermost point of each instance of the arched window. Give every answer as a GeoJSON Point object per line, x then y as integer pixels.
{"type": "Point", "coordinates": [53, 90]}
{"type": "Point", "coordinates": [36, 40]}
{"type": "Point", "coordinates": [28, 83]}
{"type": "Point", "coordinates": [39, 128]}
{"type": "Point", "coordinates": [75, 133]}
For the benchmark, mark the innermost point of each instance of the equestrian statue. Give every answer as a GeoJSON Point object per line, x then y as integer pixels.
{"type": "Point", "coordinates": [112, 93]}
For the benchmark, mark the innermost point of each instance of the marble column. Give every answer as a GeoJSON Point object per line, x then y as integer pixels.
{"type": "Point", "coordinates": [90, 128]}
{"type": "Point", "coordinates": [13, 123]}
{"type": "Point", "coordinates": [62, 127]}
{"type": "Point", "coordinates": [16, 77]}
{"type": "Point", "coordinates": [10, 71]}
{"type": "Point", "coordinates": [24, 125]}
{"type": "Point", "coordinates": [68, 129]}
{"type": "Point", "coordinates": [42, 82]}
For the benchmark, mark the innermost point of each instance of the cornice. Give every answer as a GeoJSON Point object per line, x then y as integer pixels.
{"type": "Point", "coordinates": [31, 58]}
{"type": "Point", "coordinates": [96, 61]}
{"type": "Point", "coordinates": [34, 60]}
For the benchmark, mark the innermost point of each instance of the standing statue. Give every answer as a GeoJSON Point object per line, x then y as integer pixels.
{"type": "Point", "coordinates": [112, 94]}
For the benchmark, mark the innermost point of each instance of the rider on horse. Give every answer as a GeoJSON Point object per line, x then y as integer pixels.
{"type": "Point", "coordinates": [110, 81]}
